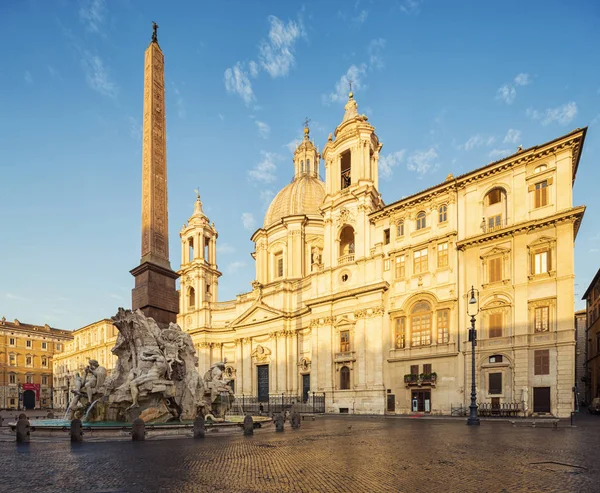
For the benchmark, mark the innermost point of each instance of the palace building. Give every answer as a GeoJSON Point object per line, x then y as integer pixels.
{"type": "Point", "coordinates": [26, 358]}
{"type": "Point", "coordinates": [367, 302]}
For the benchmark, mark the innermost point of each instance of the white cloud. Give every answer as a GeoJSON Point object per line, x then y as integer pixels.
{"type": "Point", "coordinates": [500, 153]}
{"type": "Point", "coordinates": [375, 59]}
{"type": "Point", "coordinates": [522, 79]}
{"type": "Point", "coordinates": [342, 87]}
{"type": "Point", "coordinates": [266, 196]}
{"type": "Point", "coordinates": [28, 77]}
{"type": "Point", "coordinates": [253, 68]}
{"type": "Point", "coordinates": [248, 220]}
{"type": "Point", "coordinates": [235, 266]}
{"type": "Point", "coordinates": [263, 129]}
{"type": "Point", "coordinates": [388, 162]}
{"type": "Point", "coordinates": [512, 136]}
{"type": "Point", "coordinates": [477, 141]}
{"type": "Point", "coordinates": [276, 55]}
{"type": "Point", "coordinates": [265, 170]}
{"type": "Point", "coordinates": [507, 94]}
{"type": "Point", "coordinates": [361, 18]}
{"type": "Point", "coordinates": [292, 145]}
{"type": "Point", "coordinates": [422, 161]}
{"type": "Point", "coordinates": [53, 72]}
{"type": "Point", "coordinates": [562, 114]}
{"type": "Point", "coordinates": [97, 76]}
{"type": "Point", "coordinates": [237, 82]}
{"type": "Point", "coordinates": [225, 248]}
{"type": "Point", "coordinates": [135, 128]}
{"type": "Point", "coordinates": [12, 296]}
{"type": "Point", "coordinates": [92, 14]}
{"type": "Point", "coordinates": [411, 6]}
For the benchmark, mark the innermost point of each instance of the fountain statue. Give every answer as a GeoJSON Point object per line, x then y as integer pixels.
{"type": "Point", "coordinates": [155, 378]}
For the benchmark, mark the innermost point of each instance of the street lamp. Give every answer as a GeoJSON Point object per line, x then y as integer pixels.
{"type": "Point", "coordinates": [472, 310]}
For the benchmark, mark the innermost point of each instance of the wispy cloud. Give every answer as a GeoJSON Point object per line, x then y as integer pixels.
{"type": "Point", "coordinates": [389, 162]}
{"type": "Point", "coordinates": [53, 72]}
{"type": "Point", "coordinates": [248, 221]}
{"type": "Point", "coordinates": [360, 18]}
{"type": "Point", "coordinates": [179, 102]}
{"type": "Point", "coordinates": [233, 267]}
{"type": "Point", "coordinates": [28, 77]}
{"type": "Point", "coordinates": [237, 82]}
{"type": "Point", "coordinates": [342, 88]}
{"type": "Point", "coordinates": [477, 140]}
{"type": "Point", "coordinates": [411, 6]}
{"type": "Point", "coordinates": [499, 153]}
{"type": "Point", "coordinates": [225, 248]}
{"type": "Point", "coordinates": [561, 114]}
{"type": "Point", "coordinates": [135, 128]}
{"type": "Point", "coordinates": [92, 14]}
{"type": "Point", "coordinates": [291, 145]}
{"type": "Point", "coordinates": [266, 196]}
{"type": "Point", "coordinates": [97, 76]}
{"type": "Point", "coordinates": [16, 297]}
{"type": "Point", "coordinates": [422, 161]}
{"type": "Point", "coordinates": [508, 92]}
{"type": "Point", "coordinates": [263, 129]}
{"type": "Point", "coordinates": [512, 136]}
{"type": "Point", "coordinates": [375, 48]}
{"type": "Point", "coordinates": [265, 170]}
{"type": "Point", "coordinates": [276, 53]}
{"type": "Point", "coordinates": [116, 296]}
{"type": "Point", "coordinates": [253, 68]}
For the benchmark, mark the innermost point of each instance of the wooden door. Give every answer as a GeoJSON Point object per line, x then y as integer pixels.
{"type": "Point", "coordinates": [541, 399]}
{"type": "Point", "coordinates": [263, 383]}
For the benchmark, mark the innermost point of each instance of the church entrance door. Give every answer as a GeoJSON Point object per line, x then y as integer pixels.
{"type": "Point", "coordinates": [263, 383]}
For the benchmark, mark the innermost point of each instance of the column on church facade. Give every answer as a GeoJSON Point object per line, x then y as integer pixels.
{"type": "Point", "coordinates": [247, 368]}
{"type": "Point", "coordinates": [281, 363]}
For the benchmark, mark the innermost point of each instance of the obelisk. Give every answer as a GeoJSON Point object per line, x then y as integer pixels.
{"type": "Point", "coordinates": [155, 293]}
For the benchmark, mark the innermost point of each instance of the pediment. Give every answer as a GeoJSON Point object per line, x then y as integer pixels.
{"type": "Point", "coordinates": [257, 313]}
{"type": "Point", "coordinates": [497, 250]}
{"type": "Point", "coordinates": [542, 240]}
{"type": "Point", "coordinates": [344, 321]}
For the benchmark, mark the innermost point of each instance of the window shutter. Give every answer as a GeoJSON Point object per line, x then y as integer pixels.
{"type": "Point", "coordinates": [549, 260]}
{"type": "Point", "coordinates": [427, 369]}
{"type": "Point", "coordinates": [414, 369]}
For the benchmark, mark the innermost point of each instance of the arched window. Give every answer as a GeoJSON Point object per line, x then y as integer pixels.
{"type": "Point", "coordinates": [400, 334]}
{"type": "Point", "coordinates": [347, 244]}
{"type": "Point", "coordinates": [420, 324]}
{"type": "Point", "coordinates": [495, 209]}
{"type": "Point", "coordinates": [190, 249]}
{"type": "Point", "coordinates": [345, 378]}
{"type": "Point", "coordinates": [400, 228]}
{"type": "Point", "coordinates": [443, 213]}
{"type": "Point", "coordinates": [540, 168]}
{"type": "Point", "coordinates": [191, 297]}
{"type": "Point", "coordinates": [308, 165]}
{"type": "Point", "coordinates": [301, 166]}
{"type": "Point", "coordinates": [421, 220]}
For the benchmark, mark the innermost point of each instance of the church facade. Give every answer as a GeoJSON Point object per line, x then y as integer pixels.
{"type": "Point", "coordinates": [367, 302]}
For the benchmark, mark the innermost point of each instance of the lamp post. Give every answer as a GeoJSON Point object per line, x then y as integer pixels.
{"type": "Point", "coordinates": [472, 310]}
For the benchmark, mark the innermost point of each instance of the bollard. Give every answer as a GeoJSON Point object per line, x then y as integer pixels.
{"type": "Point", "coordinates": [572, 417]}
{"type": "Point", "coordinates": [50, 415]}
{"type": "Point", "coordinates": [279, 422]}
{"type": "Point", "coordinates": [295, 420]}
{"type": "Point", "coordinates": [23, 432]}
{"type": "Point", "coordinates": [138, 429]}
{"type": "Point", "coordinates": [199, 428]}
{"type": "Point", "coordinates": [248, 425]}
{"type": "Point", "coordinates": [76, 431]}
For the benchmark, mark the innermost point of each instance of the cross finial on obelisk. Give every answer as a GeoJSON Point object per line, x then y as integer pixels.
{"type": "Point", "coordinates": [350, 81]}
{"type": "Point", "coordinates": [154, 29]}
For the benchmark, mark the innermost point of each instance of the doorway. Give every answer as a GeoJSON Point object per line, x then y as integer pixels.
{"type": "Point", "coordinates": [541, 399]}
{"type": "Point", "coordinates": [305, 387]}
{"type": "Point", "coordinates": [263, 383]}
{"type": "Point", "coordinates": [391, 403]}
{"type": "Point", "coordinates": [421, 401]}
{"type": "Point", "coordinates": [29, 399]}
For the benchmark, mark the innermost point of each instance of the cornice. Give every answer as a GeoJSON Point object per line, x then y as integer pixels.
{"type": "Point", "coordinates": [380, 286]}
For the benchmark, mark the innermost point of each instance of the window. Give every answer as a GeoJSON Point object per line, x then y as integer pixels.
{"type": "Point", "coordinates": [347, 244]}
{"type": "Point", "coordinates": [540, 168]}
{"type": "Point", "coordinates": [541, 319]}
{"type": "Point", "coordinates": [541, 194]}
{"type": "Point", "coordinates": [28, 361]}
{"type": "Point", "coordinates": [400, 267]}
{"type": "Point", "coordinates": [386, 236]}
{"type": "Point", "coordinates": [44, 345]}
{"type": "Point", "coordinates": [59, 345]}
{"type": "Point", "coordinates": [345, 378]}
{"type": "Point", "coordinates": [421, 220]}
{"type": "Point", "coordinates": [344, 341]}
{"type": "Point", "coordinates": [400, 335]}
{"type": "Point", "coordinates": [420, 261]}
{"type": "Point", "coordinates": [414, 369]}
{"type": "Point", "coordinates": [541, 261]}
{"type": "Point", "coordinates": [345, 169]}
{"type": "Point", "coordinates": [206, 248]}
{"type": "Point", "coordinates": [442, 255]}
{"type": "Point", "coordinates": [494, 222]}
{"type": "Point", "coordinates": [427, 369]}
{"type": "Point", "coordinates": [44, 362]}
{"type": "Point", "coordinates": [29, 379]}
{"type": "Point", "coordinates": [386, 264]}
{"type": "Point", "coordinates": [11, 341]}
{"type": "Point", "coordinates": [495, 269]}
{"type": "Point", "coordinates": [400, 228]}
{"type": "Point", "coordinates": [279, 264]}
{"type": "Point", "coordinates": [495, 325]}
{"type": "Point", "coordinates": [191, 297]}
{"type": "Point", "coordinates": [494, 196]}
{"type": "Point", "coordinates": [496, 358]}
{"type": "Point", "coordinates": [12, 379]}
{"type": "Point", "coordinates": [495, 383]}
{"type": "Point", "coordinates": [44, 380]}
{"type": "Point", "coordinates": [190, 249]}
{"type": "Point", "coordinates": [443, 319]}
{"type": "Point", "coordinates": [421, 324]}
{"type": "Point", "coordinates": [541, 362]}
{"type": "Point", "coordinates": [443, 213]}
{"type": "Point", "coordinates": [28, 343]}
{"type": "Point", "coordinates": [12, 402]}
{"type": "Point", "coordinates": [308, 165]}
{"type": "Point", "coordinates": [12, 360]}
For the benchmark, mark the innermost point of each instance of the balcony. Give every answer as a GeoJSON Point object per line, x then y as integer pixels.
{"type": "Point", "coordinates": [346, 259]}
{"type": "Point", "coordinates": [411, 380]}
{"type": "Point", "coordinates": [344, 356]}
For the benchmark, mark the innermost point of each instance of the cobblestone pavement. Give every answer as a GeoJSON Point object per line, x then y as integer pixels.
{"type": "Point", "coordinates": [345, 454]}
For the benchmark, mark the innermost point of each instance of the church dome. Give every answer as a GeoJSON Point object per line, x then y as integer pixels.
{"type": "Point", "coordinates": [303, 196]}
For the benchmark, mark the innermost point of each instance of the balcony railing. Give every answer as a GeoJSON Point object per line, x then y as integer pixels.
{"type": "Point", "coordinates": [346, 180]}
{"type": "Point", "coordinates": [422, 379]}
{"type": "Point", "coordinates": [346, 259]}
{"type": "Point", "coordinates": [344, 356]}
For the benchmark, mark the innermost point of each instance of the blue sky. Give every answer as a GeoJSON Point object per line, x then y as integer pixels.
{"type": "Point", "coordinates": [449, 86]}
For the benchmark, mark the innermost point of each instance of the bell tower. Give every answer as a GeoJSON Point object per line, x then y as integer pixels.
{"type": "Point", "coordinates": [199, 277]}
{"type": "Point", "coordinates": [306, 156]}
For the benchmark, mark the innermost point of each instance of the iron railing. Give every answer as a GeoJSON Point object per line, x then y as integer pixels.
{"type": "Point", "coordinates": [345, 259]}
{"type": "Point", "coordinates": [503, 410]}
{"type": "Point", "coordinates": [314, 403]}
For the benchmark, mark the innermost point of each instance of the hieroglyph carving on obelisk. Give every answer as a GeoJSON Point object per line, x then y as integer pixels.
{"type": "Point", "coordinates": [155, 224]}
